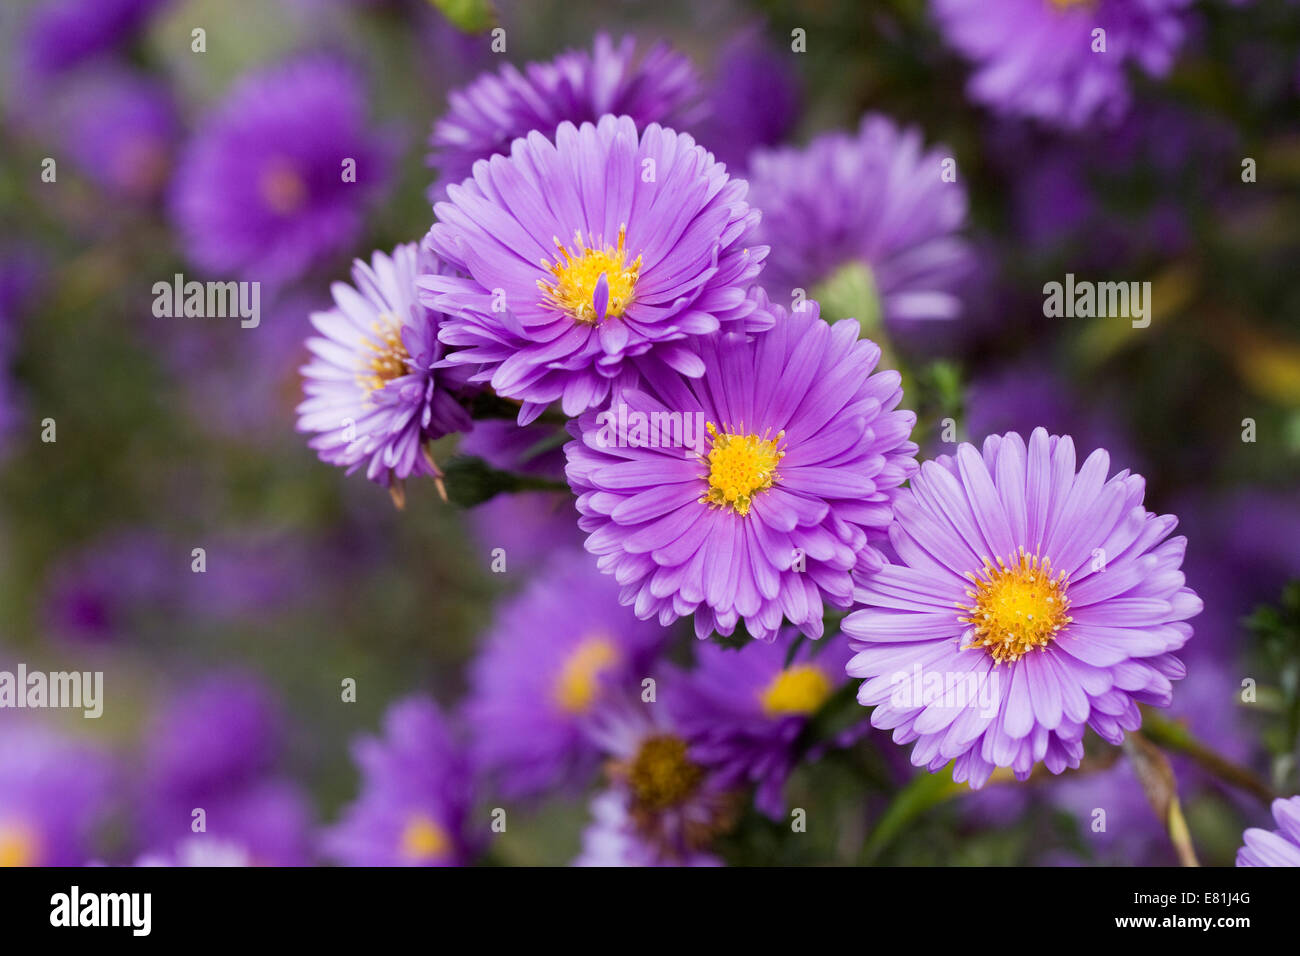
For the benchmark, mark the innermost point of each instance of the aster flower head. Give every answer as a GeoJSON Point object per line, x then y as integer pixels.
{"type": "Point", "coordinates": [664, 807]}
{"type": "Point", "coordinates": [1040, 58]}
{"type": "Point", "coordinates": [61, 34]}
{"type": "Point", "coordinates": [555, 652]}
{"type": "Point", "coordinates": [1031, 600]}
{"type": "Point", "coordinates": [374, 396]}
{"type": "Point", "coordinates": [264, 189]}
{"type": "Point", "coordinates": [789, 453]}
{"type": "Point", "coordinates": [54, 791]}
{"type": "Point", "coordinates": [415, 795]}
{"type": "Point", "coordinates": [744, 710]}
{"type": "Point", "coordinates": [870, 207]}
{"type": "Point", "coordinates": [486, 116]}
{"type": "Point", "coordinates": [584, 254]}
{"type": "Point", "coordinates": [1280, 847]}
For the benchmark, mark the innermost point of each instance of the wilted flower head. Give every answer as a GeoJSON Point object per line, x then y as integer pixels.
{"type": "Point", "coordinates": [554, 653]}
{"type": "Point", "coordinates": [374, 396]}
{"type": "Point", "coordinates": [484, 118]}
{"type": "Point", "coordinates": [278, 177]}
{"type": "Point", "coordinates": [1280, 847]}
{"type": "Point", "coordinates": [1031, 601]}
{"type": "Point", "coordinates": [415, 795]}
{"type": "Point", "coordinates": [866, 217]}
{"type": "Point", "coordinates": [786, 454]}
{"type": "Point", "coordinates": [1063, 62]}
{"type": "Point", "coordinates": [583, 254]}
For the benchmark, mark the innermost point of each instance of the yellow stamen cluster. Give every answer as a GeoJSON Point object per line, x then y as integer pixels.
{"type": "Point", "coordinates": [388, 359]}
{"type": "Point", "coordinates": [423, 840]}
{"type": "Point", "coordinates": [740, 466]}
{"type": "Point", "coordinates": [801, 689]}
{"type": "Point", "coordinates": [662, 775]}
{"type": "Point", "coordinates": [1016, 608]}
{"type": "Point", "coordinates": [1070, 4]}
{"type": "Point", "coordinates": [578, 273]}
{"type": "Point", "coordinates": [578, 683]}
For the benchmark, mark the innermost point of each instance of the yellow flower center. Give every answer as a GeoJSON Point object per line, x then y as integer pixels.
{"type": "Point", "coordinates": [282, 187]}
{"type": "Point", "coordinates": [740, 466]}
{"type": "Point", "coordinates": [423, 840]}
{"type": "Point", "coordinates": [661, 775]}
{"type": "Point", "coordinates": [1017, 608]}
{"type": "Point", "coordinates": [578, 684]}
{"type": "Point", "coordinates": [801, 689]}
{"type": "Point", "coordinates": [388, 358]}
{"type": "Point", "coordinates": [17, 845]}
{"type": "Point", "coordinates": [1070, 4]}
{"type": "Point", "coordinates": [592, 282]}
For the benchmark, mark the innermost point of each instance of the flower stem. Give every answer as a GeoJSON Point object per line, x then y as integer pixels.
{"type": "Point", "coordinates": [1176, 737]}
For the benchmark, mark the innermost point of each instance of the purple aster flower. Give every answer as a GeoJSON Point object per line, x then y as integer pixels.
{"type": "Point", "coordinates": [786, 454]}
{"type": "Point", "coordinates": [484, 118]}
{"type": "Point", "coordinates": [373, 395]}
{"type": "Point", "coordinates": [873, 203]}
{"type": "Point", "coordinates": [753, 98]}
{"type": "Point", "coordinates": [554, 653]}
{"type": "Point", "coordinates": [1036, 58]}
{"type": "Point", "coordinates": [53, 794]}
{"type": "Point", "coordinates": [1280, 847]}
{"type": "Point", "coordinates": [1031, 601]}
{"type": "Point", "coordinates": [200, 851]}
{"type": "Point", "coordinates": [586, 253]}
{"type": "Point", "coordinates": [743, 710]}
{"type": "Point", "coordinates": [60, 34]}
{"type": "Point", "coordinates": [263, 189]}
{"type": "Point", "coordinates": [120, 129]}
{"type": "Point", "coordinates": [663, 807]}
{"type": "Point", "coordinates": [415, 795]}
{"type": "Point", "coordinates": [216, 746]}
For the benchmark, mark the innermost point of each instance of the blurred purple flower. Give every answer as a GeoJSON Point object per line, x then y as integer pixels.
{"type": "Point", "coordinates": [54, 792]}
{"type": "Point", "coordinates": [484, 118]}
{"type": "Point", "coordinates": [99, 592]}
{"type": "Point", "coordinates": [552, 655]}
{"type": "Point", "coordinates": [528, 526]}
{"type": "Point", "coordinates": [262, 190]}
{"type": "Point", "coordinates": [121, 130]}
{"type": "Point", "coordinates": [1038, 58]}
{"type": "Point", "coordinates": [875, 200]}
{"type": "Point", "coordinates": [753, 99]}
{"type": "Point", "coordinates": [60, 34]}
{"type": "Point", "coordinates": [744, 710]}
{"type": "Point", "coordinates": [1280, 847]}
{"type": "Point", "coordinates": [415, 796]}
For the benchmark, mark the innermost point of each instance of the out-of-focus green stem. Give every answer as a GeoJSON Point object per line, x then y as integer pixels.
{"type": "Point", "coordinates": [1176, 737]}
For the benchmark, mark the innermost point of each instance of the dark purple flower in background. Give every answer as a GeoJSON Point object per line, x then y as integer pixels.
{"type": "Point", "coordinates": [22, 274]}
{"type": "Point", "coordinates": [1043, 59]}
{"type": "Point", "coordinates": [484, 118]}
{"type": "Point", "coordinates": [216, 747]}
{"type": "Point", "coordinates": [263, 190]}
{"type": "Point", "coordinates": [743, 710]}
{"type": "Point", "coordinates": [663, 806]}
{"type": "Point", "coordinates": [416, 793]}
{"type": "Point", "coordinates": [1031, 602]}
{"type": "Point", "coordinates": [553, 654]}
{"type": "Point", "coordinates": [753, 98]}
{"type": "Point", "coordinates": [54, 793]}
{"type": "Point", "coordinates": [875, 202]}
{"type": "Point", "coordinates": [60, 34]}
{"type": "Point", "coordinates": [580, 255]}
{"type": "Point", "coordinates": [374, 397]}
{"type": "Point", "coordinates": [770, 501]}
{"type": "Point", "coordinates": [121, 129]}
{"type": "Point", "coordinates": [1280, 847]}
{"type": "Point", "coordinates": [100, 592]}
{"type": "Point", "coordinates": [527, 526]}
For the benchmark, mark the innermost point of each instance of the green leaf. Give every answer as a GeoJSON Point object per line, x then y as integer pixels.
{"type": "Point", "coordinates": [471, 481]}
{"type": "Point", "coordinates": [470, 16]}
